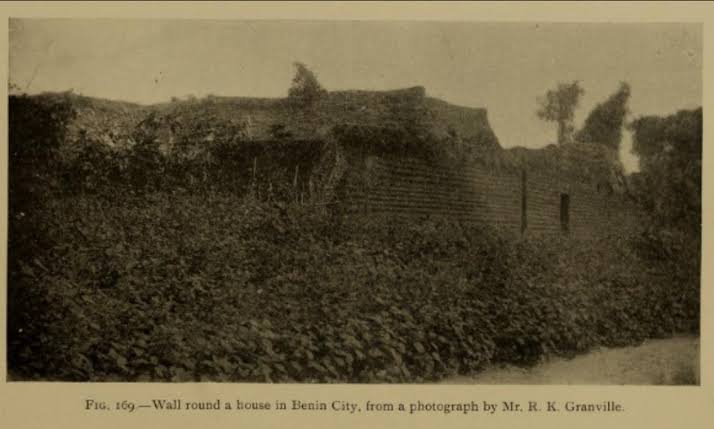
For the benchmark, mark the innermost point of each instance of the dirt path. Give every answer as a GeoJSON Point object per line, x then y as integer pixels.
{"type": "Point", "coordinates": [669, 361]}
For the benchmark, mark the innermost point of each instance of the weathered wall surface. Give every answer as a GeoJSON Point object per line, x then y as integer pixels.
{"type": "Point", "coordinates": [493, 196]}
{"type": "Point", "coordinates": [410, 187]}
{"type": "Point", "coordinates": [415, 188]}
{"type": "Point", "coordinates": [368, 108]}
{"type": "Point", "coordinates": [592, 209]}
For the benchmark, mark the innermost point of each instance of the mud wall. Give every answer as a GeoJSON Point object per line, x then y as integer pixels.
{"type": "Point", "coordinates": [520, 202]}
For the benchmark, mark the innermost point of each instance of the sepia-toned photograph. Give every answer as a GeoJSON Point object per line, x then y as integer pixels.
{"type": "Point", "coordinates": [372, 202]}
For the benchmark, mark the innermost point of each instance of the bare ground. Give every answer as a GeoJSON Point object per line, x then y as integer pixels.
{"type": "Point", "coordinates": [673, 361]}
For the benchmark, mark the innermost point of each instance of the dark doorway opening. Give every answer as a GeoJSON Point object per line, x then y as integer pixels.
{"type": "Point", "coordinates": [524, 203]}
{"type": "Point", "coordinates": [565, 212]}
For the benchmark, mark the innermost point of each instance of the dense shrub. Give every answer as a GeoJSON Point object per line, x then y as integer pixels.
{"type": "Point", "coordinates": [206, 153]}
{"type": "Point", "coordinates": [669, 184]}
{"type": "Point", "coordinates": [604, 123]}
{"type": "Point", "coordinates": [143, 263]}
{"type": "Point", "coordinates": [401, 140]}
{"type": "Point", "coordinates": [178, 286]}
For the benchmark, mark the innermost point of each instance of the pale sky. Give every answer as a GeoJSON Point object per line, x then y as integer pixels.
{"type": "Point", "coordinates": [502, 67]}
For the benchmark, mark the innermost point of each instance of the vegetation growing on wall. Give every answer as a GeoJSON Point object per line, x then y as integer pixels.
{"type": "Point", "coordinates": [210, 287]}
{"type": "Point", "coordinates": [558, 105]}
{"type": "Point", "coordinates": [605, 123]}
{"type": "Point", "coordinates": [670, 153]}
{"type": "Point", "coordinates": [669, 184]}
{"type": "Point", "coordinates": [305, 89]}
{"type": "Point", "coordinates": [154, 262]}
{"type": "Point", "coordinates": [585, 163]}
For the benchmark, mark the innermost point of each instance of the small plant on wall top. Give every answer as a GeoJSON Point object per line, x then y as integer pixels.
{"type": "Point", "coordinates": [305, 89]}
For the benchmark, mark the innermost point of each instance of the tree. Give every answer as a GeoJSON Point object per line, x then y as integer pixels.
{"type": "Point", "coordinates": [670, 153]}
{"type": "Point", "coordinates": [669, 186]}
{"type": "Point", "coordinates": [605, 122]}
{"type": "Point", "coordinates": [559, 105]}
{"type": "Point", "coordinates": [305, 89]}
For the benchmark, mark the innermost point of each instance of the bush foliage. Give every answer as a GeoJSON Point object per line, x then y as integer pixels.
{"type": "Point", "coordinates": [669, 184]}
{"type": "Point", "coordinates": [605, 122]}
{"type": "Point", "coordinates": [133, 265]}
{"type": "Point", "coordinates": [185, 287]}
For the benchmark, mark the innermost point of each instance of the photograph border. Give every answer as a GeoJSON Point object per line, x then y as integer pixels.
{"type": "Point", "coordinates": [56, 404]}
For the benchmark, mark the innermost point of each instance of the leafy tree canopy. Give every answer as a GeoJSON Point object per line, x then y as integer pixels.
{"type": "Point", "coordinates": [670, 152]}
{"type": "Point", "coordinates": [558, 105]}
{"type": "Point", "coordinates": [605, 122]}
{"type": "Point", "coordinates": [305, 88]}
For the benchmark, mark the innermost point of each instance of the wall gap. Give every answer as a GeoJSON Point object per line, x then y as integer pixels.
{"type": "Point", "coordinates": [565, 212]}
